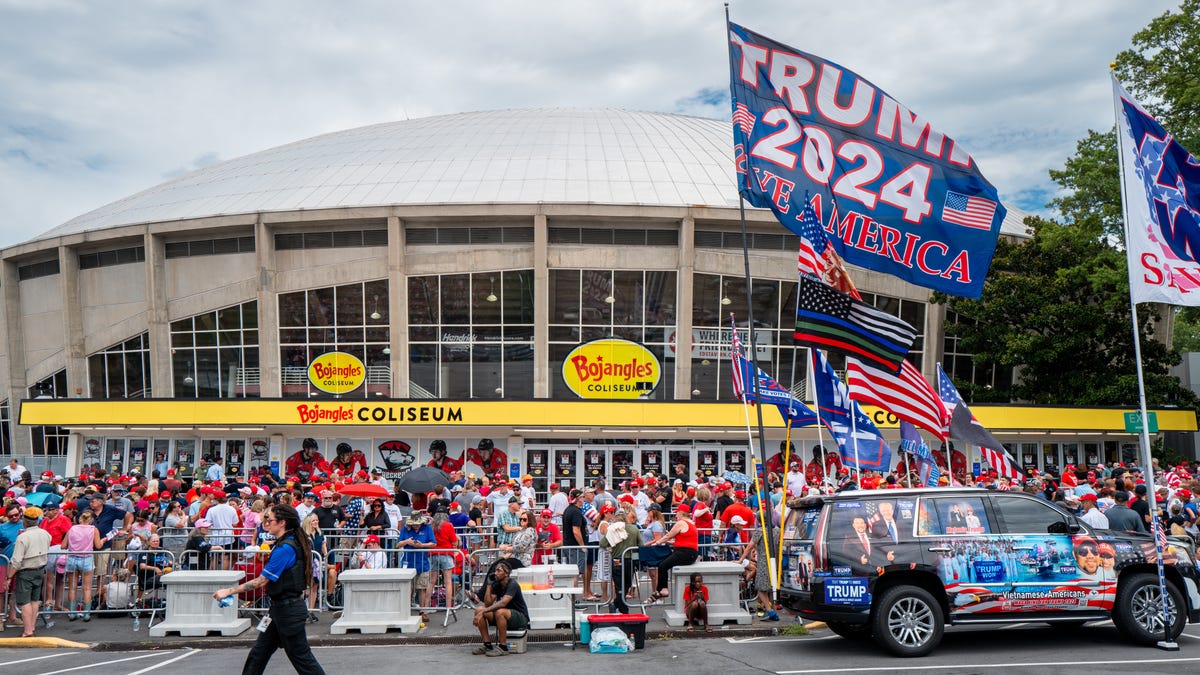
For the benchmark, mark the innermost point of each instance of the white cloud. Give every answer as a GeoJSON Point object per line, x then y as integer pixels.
{"type": "Point", "coordinates": [100, 100]}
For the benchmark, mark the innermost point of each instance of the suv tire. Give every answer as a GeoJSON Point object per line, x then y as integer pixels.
{"type": "Point", "coordinates": [850, 631]}
{"type": "Point", "coordinates": [1137, 611]}
{"type": "Point", "coordinates": [907, 621]}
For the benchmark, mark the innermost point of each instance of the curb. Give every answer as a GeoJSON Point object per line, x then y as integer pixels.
{"type": "Point", "coordinates": [41, 642]}
{"type": "Point", "coordinates": [421, 640]}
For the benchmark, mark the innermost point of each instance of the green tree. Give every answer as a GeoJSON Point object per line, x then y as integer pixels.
{"type": "Point", "coordinates": [1056, 306]}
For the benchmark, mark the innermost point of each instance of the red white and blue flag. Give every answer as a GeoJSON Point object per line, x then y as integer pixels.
{"type": "Point", "coordinates": [965, 427]}
{"type": "Point", "coordinates": [770, 391]}
{"type": "Point", "coordinates": [976, 212]}
{"type": "Point", "coordinates": [806, 125]}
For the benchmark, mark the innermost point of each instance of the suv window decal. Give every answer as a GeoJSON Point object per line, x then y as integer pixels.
{"type": "Point", "coordinates": [953, 516]}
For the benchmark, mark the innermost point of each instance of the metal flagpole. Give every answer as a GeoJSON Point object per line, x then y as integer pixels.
{"type": "Point", "coordinates": [1144, 455]}
{"type": "Point", "coordinates": [768, 531]}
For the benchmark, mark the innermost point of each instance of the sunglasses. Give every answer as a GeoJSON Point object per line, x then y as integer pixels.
{"type": "Point", "coordinates": [1089, 550]}
{"type": "Point", "coordinates": [1107, 555]}
{"type": "Point", "coordinates": [524, 520]}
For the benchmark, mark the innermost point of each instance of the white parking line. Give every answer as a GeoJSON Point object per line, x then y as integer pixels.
{"type": "Point", "coordinates": [766, 640]}
{"type": "Point", "coordinates": [972, 666]}
{"type": "Point", "coordinates": [104, 664]}
{"type": "Point", "coordinates": [156, 666]}
{"type": "Point", "coordinates": [36, 658]}
{"type": "Point", "coordinates": [1194, 637]}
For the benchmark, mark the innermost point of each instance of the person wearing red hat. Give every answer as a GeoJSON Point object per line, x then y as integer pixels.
{"type": "Point", "coordinates": [739, 508]}
{"type": "Point", "coordinates": [549, 537]}
{"type": "Point", "coordinates": [371, 557]}
{"type": "Point", "coordinates": [1091, 515]}
{"type": "Point", "coordinates": [641, 501]}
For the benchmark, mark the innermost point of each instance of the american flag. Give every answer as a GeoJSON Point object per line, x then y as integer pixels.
{"type": "Point", "coordinates": [743, 118]}
{"type": "Point", "coordinates": [1160, 534]}
{"type": "Point", "coordinates": [968, 211]}
{"type": "Point", "coordinates": [964, 426]}
{"type": "Point", "coordinates": [735, 354]}
{"type": "Point", "coordinates": [812, 243]}
{"type": "Point", "coordinates": [907, 395]}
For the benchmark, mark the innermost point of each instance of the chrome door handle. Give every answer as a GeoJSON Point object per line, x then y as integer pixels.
{"type": "Point", "coordinates": [939, 549]}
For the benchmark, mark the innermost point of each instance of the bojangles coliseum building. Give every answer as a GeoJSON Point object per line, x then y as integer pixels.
{"type": "Point", "coordinates": [546, 291]}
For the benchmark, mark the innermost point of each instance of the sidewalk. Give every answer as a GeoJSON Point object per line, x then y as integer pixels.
{"type": "Point", "coordinates": [116, 633]}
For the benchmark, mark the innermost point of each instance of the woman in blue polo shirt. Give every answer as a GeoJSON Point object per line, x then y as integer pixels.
{"type": "Point", "coordinates": [286, 576]}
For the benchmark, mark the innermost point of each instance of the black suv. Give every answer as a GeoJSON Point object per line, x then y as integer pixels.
{"type": "Point", "coordinates": [898, 565]}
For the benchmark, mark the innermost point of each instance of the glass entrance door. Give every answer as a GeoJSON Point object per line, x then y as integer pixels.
{"type": "Point", "coordinates": [595, 464]}
{"type": "Point", "coordinates": [138, 447]}
{"type": "Point", "coordinates": [651, 460]}
{"type": "Point", "coordinates": [680, 464]}
{"type": "Point", "coordinates": [622, 464]}
{"type": "Point", "coordinates": [566, 466]}
{"type": "Point", "coordinates": [114, 456]}
{"type": "Point", "coordinates": [708, 460]}
{"type": "Point", "coordinates": [537, 464]}
{"type": "Point", "coordinates": [235, 457]}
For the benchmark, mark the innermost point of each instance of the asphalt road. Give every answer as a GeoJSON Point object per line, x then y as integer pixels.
{"type": "Point", "coordinates": [1022, 648]}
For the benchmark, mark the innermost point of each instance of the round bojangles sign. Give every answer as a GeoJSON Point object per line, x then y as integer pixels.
{"type": "Point", "coordinates": [337, 372]}
{"type": "Point", "coordinates": [611, 368]}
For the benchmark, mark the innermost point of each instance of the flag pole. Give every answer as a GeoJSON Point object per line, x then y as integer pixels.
{"type": "Point", "coordinates": [1166, 644]}
{"type": "Point", "coordinates": [768, 531]}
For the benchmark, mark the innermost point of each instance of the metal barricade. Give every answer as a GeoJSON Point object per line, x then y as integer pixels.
{"type": "Point", "coordinates": [82, 583]}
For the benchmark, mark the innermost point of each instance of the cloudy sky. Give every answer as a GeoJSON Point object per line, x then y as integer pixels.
{"type": "Point", "coordinates": [101, 100]}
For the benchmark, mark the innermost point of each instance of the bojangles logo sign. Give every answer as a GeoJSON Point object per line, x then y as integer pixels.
{"type": "Point", "coordinates": [337, 373]}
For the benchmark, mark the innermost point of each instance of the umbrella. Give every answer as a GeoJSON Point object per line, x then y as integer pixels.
{"type": "Point", "coordinates": [737, 478]}
{"type": "Point", "coordinates": [422, 479]}
{"type": "Point", "coordinates": [42, 498]}
{"type": "Point", "coordinates": [364, 490]}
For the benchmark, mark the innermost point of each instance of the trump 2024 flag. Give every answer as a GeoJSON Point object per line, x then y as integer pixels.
{"type": "Point", "coordinates": [911, 201]}
{"type": "Point", "coordinates": [1162, 207]}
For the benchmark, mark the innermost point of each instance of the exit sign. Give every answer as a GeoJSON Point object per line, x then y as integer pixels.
{"type": "Point", "coordinates": [1133, 422]}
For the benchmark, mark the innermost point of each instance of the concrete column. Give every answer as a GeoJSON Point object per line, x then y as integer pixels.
{"type": "Point", "coordinates": [16, 387]}
{"type": "Point", "coordinates": [158, 318]}
{"type": "Point", "coordinates": [683, 308]}
{"type": "Point", "coordinates": [76, 355]}
{"type": "Point", "coordinates": [269, 382]}
{"type": "Point", "coordinates": [398, 308]}
{"type": "Point", "coordinates": [541, 307]}
{"type": "Point", "coordinates": [935, 331]}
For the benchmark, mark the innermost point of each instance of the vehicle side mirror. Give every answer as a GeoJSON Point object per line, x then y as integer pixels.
{"type": "Point", "coordinates": [1064, 527]}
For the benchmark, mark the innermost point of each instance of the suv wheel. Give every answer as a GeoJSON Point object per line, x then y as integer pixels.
{"type": "Point", "coordinates": [907, 621]}
{"type": "Point", "coordinates": [850, 631]}
{"type": "Point", "coordinates": [1138, 610]}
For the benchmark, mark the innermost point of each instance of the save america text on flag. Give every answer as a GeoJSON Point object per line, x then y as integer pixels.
{"type": "Point", "coordinates": [1162, 208]}
{"type": "Point", "coordinates": [803, 123]}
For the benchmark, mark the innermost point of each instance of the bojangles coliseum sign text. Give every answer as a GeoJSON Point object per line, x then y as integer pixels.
{"type": "Point", "coordinates": [352, 413]}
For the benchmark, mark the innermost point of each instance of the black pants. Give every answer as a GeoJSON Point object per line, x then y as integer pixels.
{"type": "Point", "coordinates": [288, 620]}
{"type": "Point", "coordinates": [622, 576]}
{"type": "Point", "coordinates": [679, 556]}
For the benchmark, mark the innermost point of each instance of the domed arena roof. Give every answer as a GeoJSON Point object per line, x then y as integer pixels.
{"type": "Point", "coordinates": [495, 156]}
{"type": "Point", "coordinates": [517, 156]}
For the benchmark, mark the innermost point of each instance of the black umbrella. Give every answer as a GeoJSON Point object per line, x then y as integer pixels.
{"type": "Point", "coordinates": [422, 479]}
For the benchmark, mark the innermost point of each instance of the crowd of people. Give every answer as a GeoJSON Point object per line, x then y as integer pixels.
{"type": "Point", "coordinates": [671, 520]}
